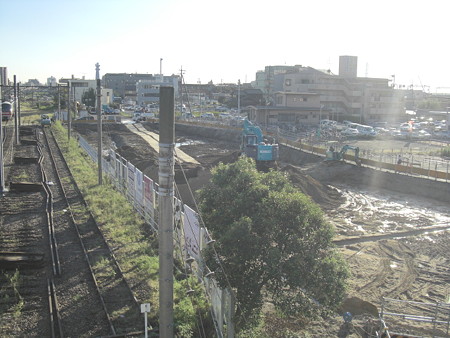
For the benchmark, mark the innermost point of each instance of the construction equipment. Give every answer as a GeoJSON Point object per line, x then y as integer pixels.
{"type": "Point", "coordinates": [333, 155]}
{"type": "Point", "coordinates": [254, 145]}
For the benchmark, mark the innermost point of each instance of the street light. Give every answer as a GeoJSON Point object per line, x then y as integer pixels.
{"type": "Point", "coordinates": [320, 120]}
{"type": "Point", "coordinates": [448, 122]}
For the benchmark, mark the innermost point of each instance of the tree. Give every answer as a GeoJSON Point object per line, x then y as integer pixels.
{"type": "Point", "coordinates": [272, 243]}
{"type": "Point", "coordinates": [88, 98]}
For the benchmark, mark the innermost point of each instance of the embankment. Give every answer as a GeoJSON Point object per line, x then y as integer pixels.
{"type": "Point", "coordinates": [338, 172]}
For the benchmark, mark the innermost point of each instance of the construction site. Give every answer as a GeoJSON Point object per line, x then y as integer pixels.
{"type": "Point", "coordinates": [391, 227]}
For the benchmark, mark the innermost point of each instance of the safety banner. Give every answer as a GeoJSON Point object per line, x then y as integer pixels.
{"type": "Point", "coordinates": [191, 233]}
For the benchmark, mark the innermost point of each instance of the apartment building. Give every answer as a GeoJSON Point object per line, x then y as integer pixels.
{"type": "Point", "coordinates": [293, 109]}
{"type": "Point", "coordinates": [123, 84]}
{"type": "Point", "coordinates": [346, 96]}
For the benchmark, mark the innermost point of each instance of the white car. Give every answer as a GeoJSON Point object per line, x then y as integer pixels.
{"type": "Point", "coordinates": [420, 134]}
{"type": "Point", "coordinates": [350, 132]}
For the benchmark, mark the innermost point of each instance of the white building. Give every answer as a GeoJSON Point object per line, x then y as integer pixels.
{"type": "Point", "coordinates": [80, 86]}
{"type": "Point", "coordinates": [148, 90]}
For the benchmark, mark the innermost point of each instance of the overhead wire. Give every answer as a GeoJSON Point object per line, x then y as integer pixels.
{"type": "Point", "coordinates": [199, 323]}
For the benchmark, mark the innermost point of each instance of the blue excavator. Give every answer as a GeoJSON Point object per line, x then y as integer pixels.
{"type": "Point", "coordinates": [334, 155]}
{"type": "Point", "coordinates": [255, 146]}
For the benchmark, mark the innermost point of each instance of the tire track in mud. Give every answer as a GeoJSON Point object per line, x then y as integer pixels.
{"type": "Point", "coordinates": [394, 235]}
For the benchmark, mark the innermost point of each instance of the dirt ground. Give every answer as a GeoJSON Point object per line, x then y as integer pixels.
{"type": "Point", "coordinates": [408, 268]}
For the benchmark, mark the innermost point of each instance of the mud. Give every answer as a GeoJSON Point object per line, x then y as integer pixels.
{"type": "Point", "coordinates": [358, 203]}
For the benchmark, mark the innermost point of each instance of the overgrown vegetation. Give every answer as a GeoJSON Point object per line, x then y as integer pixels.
{"type": "Point", "coordinates": [135, 246]}
{"type": "Point", "coordinates": [272, 245]}
{"type": "Point", "coordinates": [445, 152]}
{"type": "Point", "coordinates": [11, 303]}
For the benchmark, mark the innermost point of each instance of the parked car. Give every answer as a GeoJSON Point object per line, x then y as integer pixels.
{"type": "Point", "coordinates": [351, 132]}
{"type": "Point", "coordinates": [208, 116]}
{"type": "Point", "coordinates": [88, 117]}
{"type": "Point", "coordinates": [420, 134]}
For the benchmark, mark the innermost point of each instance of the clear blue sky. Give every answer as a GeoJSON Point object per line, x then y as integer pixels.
{"type": "Point", "coordinates": [224, 41]}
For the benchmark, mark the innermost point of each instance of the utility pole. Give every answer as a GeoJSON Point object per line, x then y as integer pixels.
{"type": "Point", "coordinates": [99, 122]}
{"type": "Point", "coordinates": [239, 97]}
{"type": "Point", "coordinates": [166, 210]}
{"type": "Point", "coordinates": [18, 103]}
{"type": "Point", "coordinates": [181, 86]}
{"type": "Point", "coordinates": [16, 123]}
{"type": "Point", "coordinates": [2, 171]}
{"type": "Point", "coordinates": [59, 101]}
{"type": "Point", "coordinates": [160, 66]}
{"type": "Point", "coordinates": [69, 88]}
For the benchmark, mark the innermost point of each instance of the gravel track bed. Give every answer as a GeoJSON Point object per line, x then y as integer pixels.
{"type": "Point", "coordinates": [23, 227]}
{"type": "Point", "coordinates": [118, 298]}
{"type": "Point", "coordinates": [80, 307]}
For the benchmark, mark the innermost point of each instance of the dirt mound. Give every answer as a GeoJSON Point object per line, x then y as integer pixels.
{"type": "Point", "coordinates": [324, 195]}
{"type": "Point", "coordinates": [227, 158]}
{"type": "Point", "coordinates": [358, 306]}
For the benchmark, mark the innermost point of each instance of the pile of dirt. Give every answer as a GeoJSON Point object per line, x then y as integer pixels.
{"type": "Point", "coordinates": [324, 195]}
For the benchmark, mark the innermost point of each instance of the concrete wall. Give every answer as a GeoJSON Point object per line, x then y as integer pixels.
{"type": "Point", "coordinates": [348, 173]}
{"type": "Point", "coordinates": [229, 135]}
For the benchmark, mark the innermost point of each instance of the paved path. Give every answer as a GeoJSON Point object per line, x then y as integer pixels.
{"type": "Point", "coordinates": [153, 140]}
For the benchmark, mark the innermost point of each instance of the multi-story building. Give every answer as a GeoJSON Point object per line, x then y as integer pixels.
{"type": "Point", "coordinates": [51, 81]}
{"type": "Point", "coordinates": [348, 66]}
{"type": "Point", "coordinates": [80, 86]}
{"type": "Point", "coordinates": [347, 96]}
{"type": "Point", "coordinates": [124, 85]}
{"type": "Point", "coordinates": [147, 91]}
{"type": "Point", "coordinates": [4, 76]}
{"type": "Point", "coordinates": [266, 82]}
{"type": "Point", "coordinates": [293, 109]}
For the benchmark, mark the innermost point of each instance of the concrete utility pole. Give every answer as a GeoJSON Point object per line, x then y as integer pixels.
{"type": "Point", "coordinates": [69, 89]}
{"type": "Point", "coordinates": [99, 122]}
{"type": "Point", "coordinates": [166, 210]}
{"type": "Point", "coordinates": [16, 123]}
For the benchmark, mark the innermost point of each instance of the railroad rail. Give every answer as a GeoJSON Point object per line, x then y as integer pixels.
{"type": "Point", "coordinates": [23, 225]}
{"type": "Point", "coordinates": [117, 299]}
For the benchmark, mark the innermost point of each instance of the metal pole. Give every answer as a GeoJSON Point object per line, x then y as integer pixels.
{"type": "Point", "coordinates": [2, 171]}
{"type": "Point", "coordinates": [59, 101]}
{"type": "Point", "coordinates": [16, 123]}
{"type": "Point", "coordinates": [166, 210]}
{"type": "Point", "coordinates": [99, 122]}
{"type": "Point", "coordinates": [68, 111]}
{"type": "Point", "coordinates": [239, 98]}
{"type": "Point", "coordinates": [18, 103]}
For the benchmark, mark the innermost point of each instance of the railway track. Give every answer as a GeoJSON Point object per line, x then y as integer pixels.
{"type": "Point", "coordinates": [25, 267]}
{"type": "Point", "coordinates": [47, 289]}
{"type": "Point", "coordinates": [116, 297]}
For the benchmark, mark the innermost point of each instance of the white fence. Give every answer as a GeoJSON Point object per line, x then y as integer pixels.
{"type": "Point", "coordinates": [141, 191]}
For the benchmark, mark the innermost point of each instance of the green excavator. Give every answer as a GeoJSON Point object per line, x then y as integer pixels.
{"type": "Point", "coordinates": [334, 155]}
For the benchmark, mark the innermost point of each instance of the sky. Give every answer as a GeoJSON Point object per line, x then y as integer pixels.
{"type": "Point", "coordinates": [226, 41]}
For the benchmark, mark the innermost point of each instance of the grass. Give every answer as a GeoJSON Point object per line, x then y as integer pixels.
{"type": "Point", "coordinates": [445, 152]}
{"type": "Point", "coordinates": [13, 282]}
{"type": "Point", "coordinates": [134, 245]}
{"type": "Point", "coordinates": [21, 175]}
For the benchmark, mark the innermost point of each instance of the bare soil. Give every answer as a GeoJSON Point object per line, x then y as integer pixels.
{"type": "Point", "coordinates": [412, 268]}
